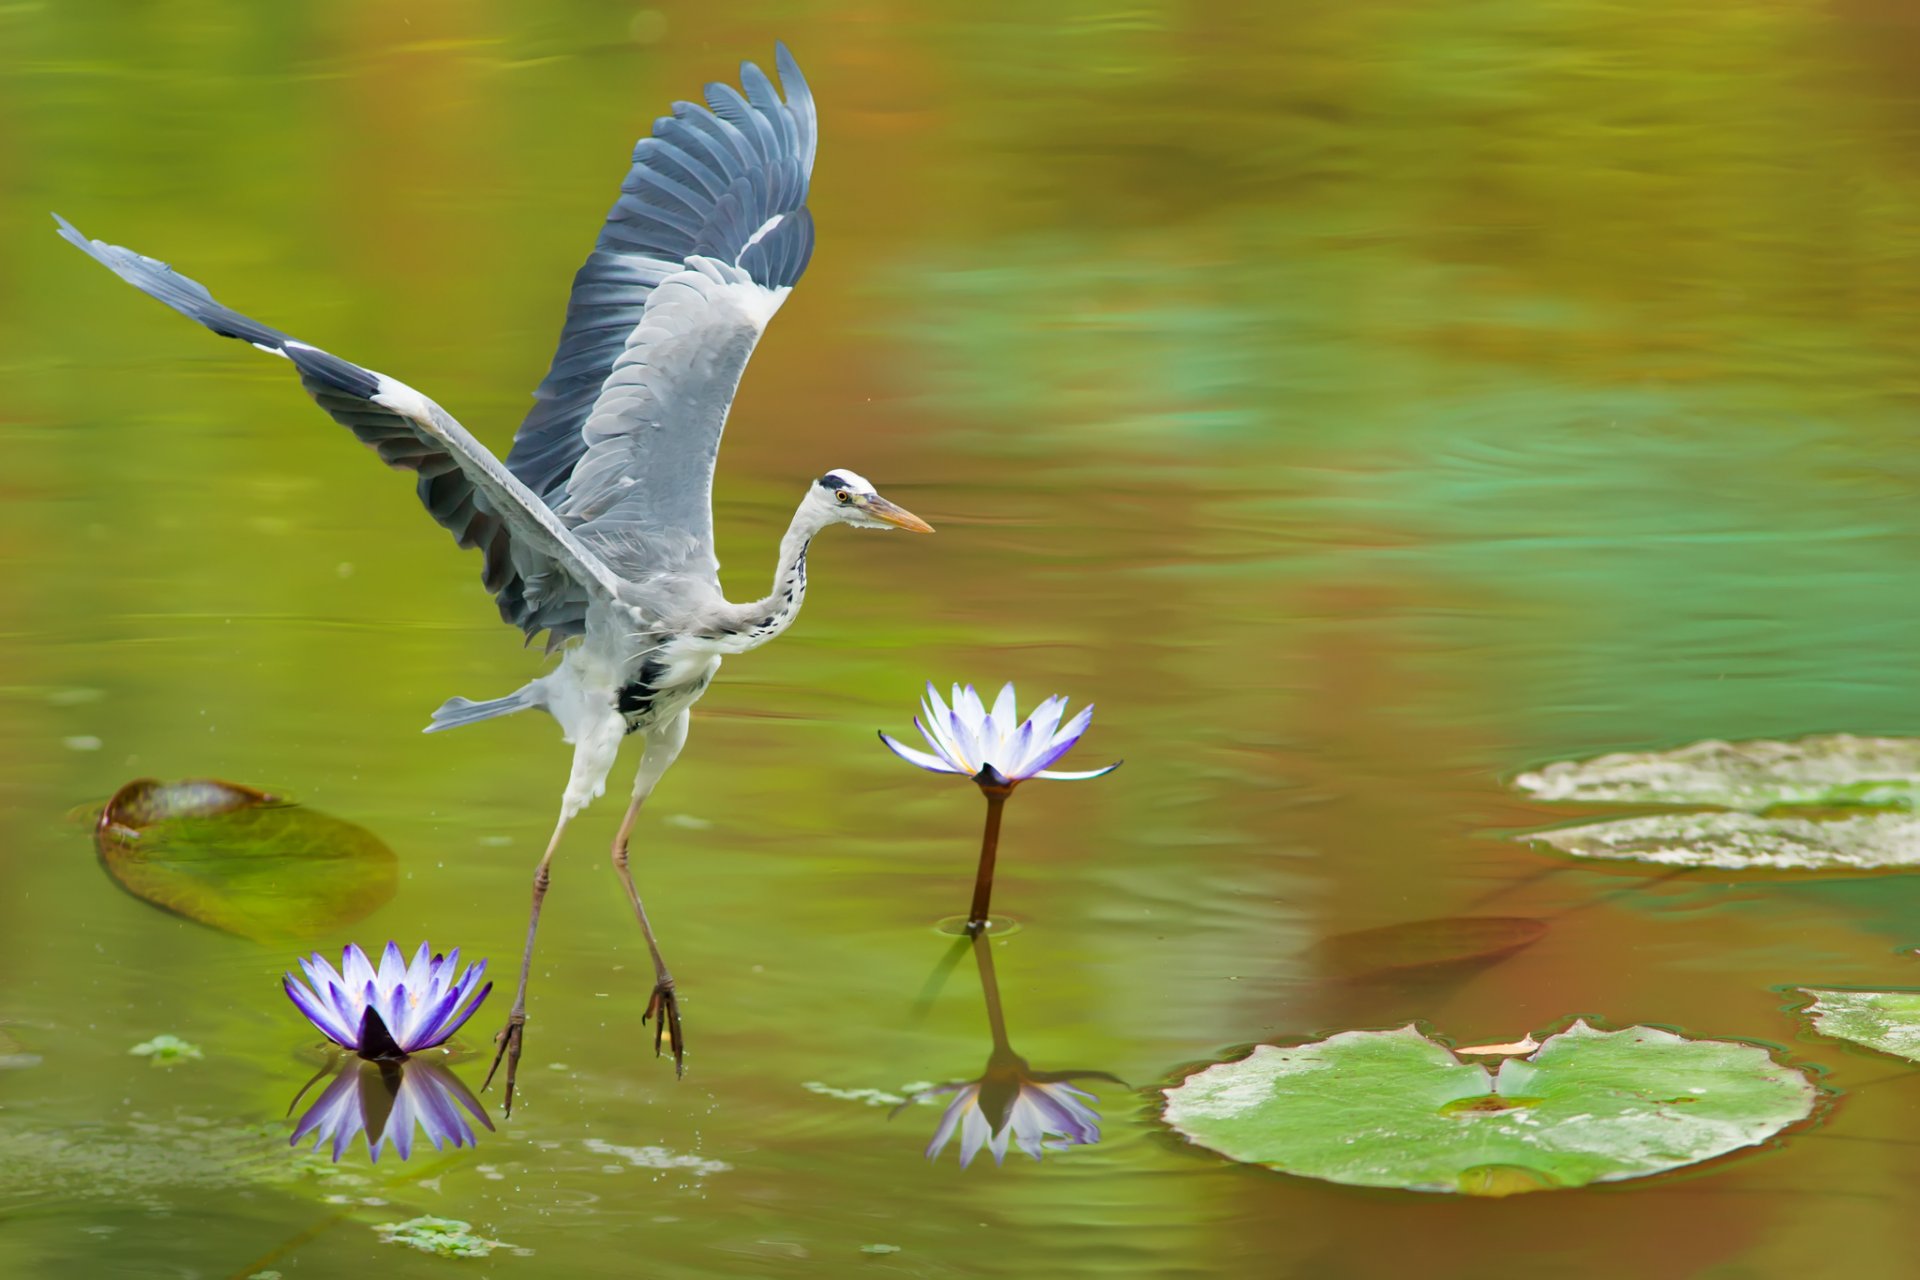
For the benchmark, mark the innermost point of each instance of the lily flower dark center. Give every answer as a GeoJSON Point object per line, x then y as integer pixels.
{"type": "Point", "coordinates": [991, 779]}
{"type": "Point", "coordinates": [376, 1042]}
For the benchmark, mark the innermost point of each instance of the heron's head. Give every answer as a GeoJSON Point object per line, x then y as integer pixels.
{"type": "Point", "coordinates": [846, 496]}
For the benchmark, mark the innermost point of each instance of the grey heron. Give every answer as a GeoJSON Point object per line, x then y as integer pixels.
{"type": "Point", "coordinates": [598, 528]}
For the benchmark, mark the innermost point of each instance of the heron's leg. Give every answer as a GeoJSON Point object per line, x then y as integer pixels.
{"type": "Point", "coordinates": [663, 748]}
{"type": "Point", "coordinates": [592, 758]}
{"type": "Point", "coordinates": [509, 1037]}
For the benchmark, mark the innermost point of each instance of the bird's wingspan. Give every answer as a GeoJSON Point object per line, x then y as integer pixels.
{"type": "Point", "coordinates": [537, 568]}
{"type": "Point", "coordinates": [710, 232]}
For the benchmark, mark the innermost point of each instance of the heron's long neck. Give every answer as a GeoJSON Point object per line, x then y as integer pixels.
{"type": "Point", "coordinates": [759, 621]}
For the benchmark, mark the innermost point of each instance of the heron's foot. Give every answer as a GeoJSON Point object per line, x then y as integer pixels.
{"type": "Point", "coordinates": [664, 1006]}
{"type": "Point", "coordinates": [508, 1039]}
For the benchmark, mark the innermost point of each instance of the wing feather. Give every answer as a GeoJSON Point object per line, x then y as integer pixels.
{"type": "Point", "coordinates": [541, 574]}
{"type": "Point", "coordinates": [708, 234]}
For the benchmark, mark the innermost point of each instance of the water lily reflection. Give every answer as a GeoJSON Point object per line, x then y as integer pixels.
{"type": "Point", "coordinates": [387, 1101]}
{"type": "Point", "coordinates": [1010, 1102]}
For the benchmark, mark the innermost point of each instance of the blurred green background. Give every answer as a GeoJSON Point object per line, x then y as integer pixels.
{"type": "Point", "coordinates": [1359, 401]}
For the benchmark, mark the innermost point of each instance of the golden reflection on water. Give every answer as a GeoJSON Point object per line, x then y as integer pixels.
{"type": "Point", "coordinates": [1359, 402]}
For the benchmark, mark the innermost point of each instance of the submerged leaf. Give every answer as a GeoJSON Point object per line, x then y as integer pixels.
{"type": "Point", "coordinates": [1729, 841]}
{"type": "Point", "coordinates": [1395, 1109]}
{"type": "Point", "coordinates": [241, 860]}
{"type": "Point", "coordinates": [1444, 943]}
{"type": "Point", "coordinates": [1825, 770]}
{"type": "Point", "coordinates": [1885, 1020]}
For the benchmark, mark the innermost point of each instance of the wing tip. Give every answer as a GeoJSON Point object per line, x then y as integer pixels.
{"type": "Point", "coordinates": [71, 234]}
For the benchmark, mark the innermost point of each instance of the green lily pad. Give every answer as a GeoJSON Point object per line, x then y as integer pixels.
{"type": "Point", "coordinates": [1827, 770]}
{"type": "Point", "coordinates": [1396, 1109]}
{"type": "Point", "coordinates": [1885, 1020]}
{"type": "Point", "coordinates": [1731, 841]}
{"type": "Point", "coordinates": [240, 860]}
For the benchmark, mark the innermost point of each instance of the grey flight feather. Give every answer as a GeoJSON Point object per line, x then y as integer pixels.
{"type": "Point", "coordinates": [608, 489]}
{"type": "Point", "coordinates": [710, 231]}
{"type": "Point", "coordinates": [541, 575]}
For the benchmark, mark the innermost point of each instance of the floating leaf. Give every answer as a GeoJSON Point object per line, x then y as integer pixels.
{"type": "Point", "coordinates": [447, 1237]}
{"type": "Point", "coordinates": [1825, 770]}
{"type": "Point", "coordinates": [241, 860]}
{"type": "Point", "coordinates": [165, 1050]}
{"type": "Point", "coordinates": [1395, 1109]}
{"type": "Point", "coordinates": [1885, 1020]}
{"type": "Point", "coordinates": [1443, 943]}
{"type": "Point", "coordinates": [1730, 841]}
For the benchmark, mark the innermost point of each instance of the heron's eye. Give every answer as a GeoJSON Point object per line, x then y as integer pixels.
{"type": "Point", "coordinates": [842, 497]}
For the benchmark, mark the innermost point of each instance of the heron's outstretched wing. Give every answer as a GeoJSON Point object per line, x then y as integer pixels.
{"type": "Point", "coordinates": [541, 574]}
{"type": "Point", "coordinates": [710, 232]}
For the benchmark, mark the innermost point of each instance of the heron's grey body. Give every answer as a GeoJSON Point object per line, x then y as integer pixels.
{"type": "Point", "coordinates": [599, 525]}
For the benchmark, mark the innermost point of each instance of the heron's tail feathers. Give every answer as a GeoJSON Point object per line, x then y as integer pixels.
{"type": "Point", "coordinates": [455, 712]}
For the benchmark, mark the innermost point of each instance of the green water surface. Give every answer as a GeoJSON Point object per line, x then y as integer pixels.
{"type": "Point", "coordinates": [1360, 402]}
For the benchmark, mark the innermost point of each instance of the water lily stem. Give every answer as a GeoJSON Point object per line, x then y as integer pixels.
{"type": "Point", "coordinates": [989, 847]}
{"type": "Point", "coordinates": [990, 991]}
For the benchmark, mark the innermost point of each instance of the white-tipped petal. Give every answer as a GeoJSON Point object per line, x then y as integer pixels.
{"type": "Point", "coordinates": [1004, 714]}
{"type": "Point", "coordinates": [1056, 775]}
{"type": "Point", "coordinates": [972, 710]}
{"type": "Point", "coordinates": [968, 738]}
{"type": "Point", "coordinates": [931, 763]}
{"type": "Point", "coordinates": [939, 736]}
{"type": "Point", "coordinates": [1063, 740]}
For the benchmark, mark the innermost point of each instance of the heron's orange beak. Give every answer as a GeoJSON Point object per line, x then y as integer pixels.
{"type": "Point", "coordinates": [880, 509]}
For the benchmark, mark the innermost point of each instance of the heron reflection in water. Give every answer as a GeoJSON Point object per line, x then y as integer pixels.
{"type": "Point", "coordinates": [1009, 1101]}
{"type": "Point", "coordinates": [598, 528]}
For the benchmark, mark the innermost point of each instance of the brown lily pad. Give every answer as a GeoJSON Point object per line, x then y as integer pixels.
{"type": "Point", "coordinates": [241, 860]}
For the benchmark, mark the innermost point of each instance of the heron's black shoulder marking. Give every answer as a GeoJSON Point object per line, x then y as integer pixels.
{"type": "Point", "coordinates": [635, 698]}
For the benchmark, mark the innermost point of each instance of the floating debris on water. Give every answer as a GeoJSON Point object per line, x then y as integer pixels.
{"type": "Point", "coordinates": [657, 1158]}
{"type": "Point", "coordinates": [165, 1050]}
{"type": "Point", "coordinates": [447, 1237]}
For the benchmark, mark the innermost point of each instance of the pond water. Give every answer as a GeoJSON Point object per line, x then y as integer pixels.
{"type": "Point", "coordinates": [1359, 402]}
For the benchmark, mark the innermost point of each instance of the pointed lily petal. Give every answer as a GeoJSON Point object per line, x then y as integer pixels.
{"type": "Point", "coordinates": [933, 764]}
{"type": "Point", "coordinates": [1063, 740]}
{"type": "Point", "coordinates": [1055, 775]}
{"type": "Point", "coordinates": [1004, 714]}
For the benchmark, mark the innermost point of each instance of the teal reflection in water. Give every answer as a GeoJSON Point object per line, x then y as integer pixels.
{"type": "Point", "coordinates": [1362, 403]}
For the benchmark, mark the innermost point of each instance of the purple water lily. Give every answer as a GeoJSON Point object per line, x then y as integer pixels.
{"type": "Point", "coordinates": [995, 747]}
{"type": "Point", "coordinates": [387, 1101]}
{"type": "Point", "coordinates": [998, 751]}
{"type": "Point", "coordinates": [400, 1009]}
